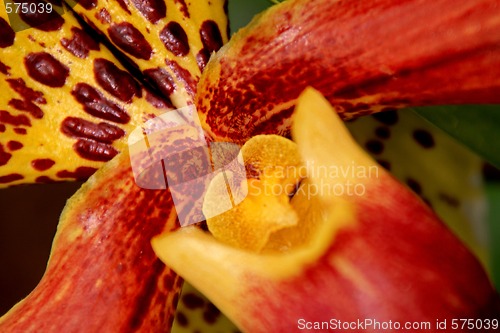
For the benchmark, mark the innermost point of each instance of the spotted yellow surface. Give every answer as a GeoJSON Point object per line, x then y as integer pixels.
{"type": "Point", "coordinates": [46, 134]}
{"type": "Point", "coordinates": [441, 171]}
{"type": "Point", "coordinates": [170, 41]}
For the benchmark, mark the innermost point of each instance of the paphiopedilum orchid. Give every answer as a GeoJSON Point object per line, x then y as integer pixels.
{"type": "Point", "coordinates": [364, 57]}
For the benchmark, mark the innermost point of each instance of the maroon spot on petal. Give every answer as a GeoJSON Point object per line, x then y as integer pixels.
{"type": "Point", "coordinates": [183, 7]}
{"type": "Point", "coordinates": [212, 41]}
{"type": "Point", "coordinates": [210, 36]}
{"type": "Point", "coordinates": [87, 4]}
{"type": "Point", "coordinates": [449, 200]}
{"type": "Point", "coordinates": [41, 19]}
{"type": "Point", "coordinates": [117, 82]}
{"type": "Point", "coordinates": [211, 313]}
{"type": "Point", "coordinates": [44, 180]}
{"type": "Point", "coordinates": [182, 320]}
{"type": "Point", "coordinates": [183, 74]}
{"type": "Point", "coordinates": [383, 132]}
{"type": "Point", "coordinates": [103, 16]}
{"type": "Point", "coordinates": [387, 117]}
{"type": "Point", "coordinates": [27, 106]}
{"type": "Point", "coordinates": [175, 39]}
{"type": "Point", "coordinates": [94, 150]}
{"type": "Point", "coordinates": [46, 69]}
{"type": "Point", "coordinates": [7, 35]}
{"type": "Point", "coordinates": [202, 59]}
{"type": "Point", "coordinates": [10, 178]}
{"type": "Point", "coordinates": [160, 78]}
{"type": "Point", "coordinates": [81, 173]}
{"type": "Point", "coordinates": [19, 86]}
{"type": "Point", "coordinates": [7, 118]}
{"type": "Point", "coordinates": [2, 128]}
{"type": "Point", "coordinates": [374, 146]}
{"type": "Point", "coordinates": [158, 102]}
{"type": "Point", "coordinates": [124, 5]}
{"type": "Point", "coordinates": [21, 131]}
{"type": "Point", "coordinates": [4, 69]}
{"type": "Point", "coordinates": [4, 156]}
{"type": "Point", "coordinates": [153, 10]}
{"type": "Point", "coordinates": [414, 185]}
{"type": "Point", "coordinates": [169, 281]}
{"type": "Point", "coordinates": [14, 145]}
{"type": "Point", "coordinates": [80, 43]}
{"type": "Point", "coordinates": [130, 39]}
{"type": "Point", "coordinates": [94, 103]}
{"type": "Point", "coordinates": [193, 301]}
{"type": "Point", "coordinates": [81, 128]}
{"type": "Point", "coordinates": [423, 138]}
{"type": "Point", "coordinates": [42, 164]}
{"type": "Point", "coordinates": [385, 164]}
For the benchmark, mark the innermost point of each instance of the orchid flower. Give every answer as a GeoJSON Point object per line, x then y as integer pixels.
{"type": "Point", "coordinates": [69, 106]}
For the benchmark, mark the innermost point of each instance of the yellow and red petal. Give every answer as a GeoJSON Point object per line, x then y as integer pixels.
{"type": "Point", "coordinates": [378, 254]}
{"type": "Point", "coordinates": [364, 57]}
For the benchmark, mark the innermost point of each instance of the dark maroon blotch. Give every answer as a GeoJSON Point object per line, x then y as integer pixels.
{"type": "Point", "coordinates": [80, 44]}
{"type": "Point", "coordinates": [26, 92]}
{"type": "Point", "coordinates": [81, 173]}
{"type": "Point", "coordinates": [2, 128]}
{"type": "Point", "coordinates": [184, 8]}
{"type": "Point", "coordinates": [20, 131]}
{"type": "Point", "coordinates": [14, 145]}
{"type": "Point", "coordinates": [175, 39]}
{"type": "Point", "coordinates": [7, 118]}
{"type": "Point", "coordinates": [44, 180]}
{"type": "Point", "coordinates": [94, 151]}
{"type": "Point", "coordinates": [27, 106]}
{"type": "Point", "coordinates": [10, 178]}
{"type": "Point", "coordinates": [424, 138]}
{"type": "Point", "coordinates": [387, 117]}
{"type": "Point", "coordinates": [130, 39]}
{"type": "Point", "coordinates": [94, 103]}
{"type": "Point", "coordinates": [211, 36]}
{"type": "Point", "coordinates": [193, 301]}
{"type": "Point", "coordinates": [153, 10]}
{"type": "Point", "coordinates": [4, 69]}
{"type": "Point", "coordinates": [117, 82]}
{"type": "Point", "coordinates": [160, 78]}
{"type": "Point", "coordinates": [42, 164]}
{"type": "Point", "coordinates": [41, 19]}
{"type": "Point", "coordinates": [414, 185]}
{"type": "Point", "coordinates": [383, 132]}
{"type": "Point", "coordinates": [46, 69]}
{"type": "Point", "coordinates": [81, 128]}
{"type": "Point", "coordinates": [7, 35]}
{"type": "Point", "coordinates": [159, 102]}
{"type": "Point", "coordinates": [374, 146]}
{"type": "Point", "coordinates": [4, 156]}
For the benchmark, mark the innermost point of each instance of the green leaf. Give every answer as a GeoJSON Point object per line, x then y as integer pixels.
{"type": "Point", "coordinates": [476, 126]}
{"type": "Point", "coordinates": [241, 12]}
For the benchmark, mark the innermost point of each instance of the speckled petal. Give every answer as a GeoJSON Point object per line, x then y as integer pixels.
{"type": "Point", "coordinates": [66, 106]}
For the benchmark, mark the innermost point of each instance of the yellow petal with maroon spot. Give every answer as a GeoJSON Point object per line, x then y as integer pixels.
{"type": "Point", "coordinates": [66, 106]}
{"type": "Point", "coordinates": [170, 41]}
